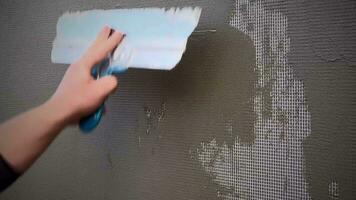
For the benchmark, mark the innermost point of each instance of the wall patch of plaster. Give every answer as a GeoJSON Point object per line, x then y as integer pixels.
{"type": "Point", "coordinates": [334, 190]}
{"type": "Point", "coordinates": [272, 167]}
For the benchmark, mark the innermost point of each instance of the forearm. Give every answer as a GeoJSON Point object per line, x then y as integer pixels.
{"type": "Point", "coordinates": [24, 138]}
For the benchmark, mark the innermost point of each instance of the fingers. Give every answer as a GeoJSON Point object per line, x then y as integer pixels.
{"type": "Point", "coordinates": [104, 86]}
{"type": "Point", "coordinates": [114, 40]}
{"type": "Point", "coordinates": [102, 46]}
{"type": "Point", "coordinates": [103, 35]}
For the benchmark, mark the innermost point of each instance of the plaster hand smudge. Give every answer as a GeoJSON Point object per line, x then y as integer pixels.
{"type": "Point", "coordinates": [271, 167]}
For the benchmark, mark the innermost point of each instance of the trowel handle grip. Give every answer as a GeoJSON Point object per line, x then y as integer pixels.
{"type": "Point", "coordinates": [90, 122]}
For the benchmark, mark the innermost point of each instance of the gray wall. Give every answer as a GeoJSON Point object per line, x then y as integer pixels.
{"type": "Point", "coordinates": [262, 109]}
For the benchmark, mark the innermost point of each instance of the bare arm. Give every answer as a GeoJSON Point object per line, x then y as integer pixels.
{"type": "Point", "coordinates": [25, 137]}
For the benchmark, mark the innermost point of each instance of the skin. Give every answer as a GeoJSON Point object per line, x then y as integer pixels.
{"type": "Point", "coordinates": [25, 137]}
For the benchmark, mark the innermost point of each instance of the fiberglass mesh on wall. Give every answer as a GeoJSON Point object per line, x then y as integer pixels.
{"type": "Point", "coordinates": [272, 167]}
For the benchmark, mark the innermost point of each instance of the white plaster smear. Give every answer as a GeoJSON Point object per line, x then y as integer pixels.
{"type": "Point", "coordinates": [159, 43]}
{"type": "Point", "coordinates": [272, 167]}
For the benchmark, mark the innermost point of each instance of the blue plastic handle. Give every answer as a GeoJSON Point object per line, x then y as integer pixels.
{"type": "Point", "coordinates": [90, 122]}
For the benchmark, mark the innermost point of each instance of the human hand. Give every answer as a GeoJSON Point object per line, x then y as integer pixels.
{"type": "Point", "coordinates": [79, 93]}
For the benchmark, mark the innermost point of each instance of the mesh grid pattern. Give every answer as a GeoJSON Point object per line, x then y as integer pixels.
{"type": "Point", "coordinates": [272, 167]}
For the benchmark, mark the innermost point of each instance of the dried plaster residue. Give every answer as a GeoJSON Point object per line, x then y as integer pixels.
{"type": "Point", "coordinates": [271, 167]}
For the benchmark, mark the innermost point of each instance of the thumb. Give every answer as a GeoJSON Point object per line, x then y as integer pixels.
{"type": "Point", "coordinates": [105, 85]}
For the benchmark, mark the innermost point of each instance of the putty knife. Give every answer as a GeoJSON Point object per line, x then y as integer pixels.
{"type": "Point", "coordinates": [155, 38]}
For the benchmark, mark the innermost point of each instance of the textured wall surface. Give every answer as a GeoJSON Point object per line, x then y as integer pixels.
{"type": "Point", "coordinates": [262, 109]}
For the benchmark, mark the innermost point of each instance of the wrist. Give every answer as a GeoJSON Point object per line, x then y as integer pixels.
{"type": "Point", "coordinates": [55, 113]}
